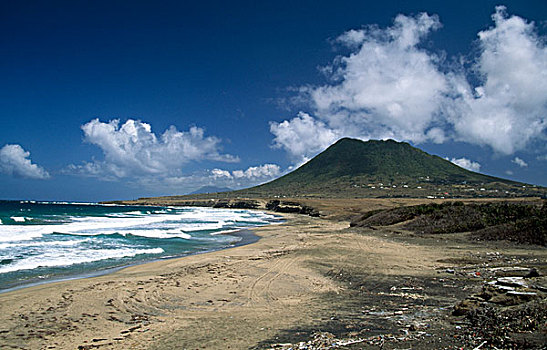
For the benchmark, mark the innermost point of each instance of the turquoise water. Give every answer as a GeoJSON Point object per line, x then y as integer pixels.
{"type": "Point", "coordinates": [42, 241]}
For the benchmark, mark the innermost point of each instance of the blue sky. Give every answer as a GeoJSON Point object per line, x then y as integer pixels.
{"type": "Point", "coordinates": [123, 99]}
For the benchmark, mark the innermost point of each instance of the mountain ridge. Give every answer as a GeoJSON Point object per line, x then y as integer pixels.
{"type": "Point", "coordinates": [351, 167]}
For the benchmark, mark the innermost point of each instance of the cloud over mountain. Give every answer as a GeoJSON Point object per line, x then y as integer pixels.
{"type": "Point", "coordinates": [14, 160]}
{"type": "Point", "coordinates": [520, 162]}
{"type": "Point", "coordinates": [466, 163]}
{"type": "Point", "coordinates": [303, 135]}
{"type": "Point", "coordinates": [390, 86]}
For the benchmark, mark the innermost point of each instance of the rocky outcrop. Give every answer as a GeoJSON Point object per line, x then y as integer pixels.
{"type": "Point", "coordinates": [237, 204]}
{"type": "Point", "coordinates": [291, 207]}
{"type": "Point", "coordinates": [280, 206]}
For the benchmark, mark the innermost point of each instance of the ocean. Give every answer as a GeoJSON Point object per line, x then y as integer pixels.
{"type": "Point", "coordinates": [43, 241]}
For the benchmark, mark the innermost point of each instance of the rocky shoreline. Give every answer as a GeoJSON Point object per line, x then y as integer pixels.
{"type": "Point", "coordinates": [274, 205]}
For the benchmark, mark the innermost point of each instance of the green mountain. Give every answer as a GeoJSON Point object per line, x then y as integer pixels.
{"type": "Point", "coordinates": [354, 168]}
{"type": "Point", "coordinates": [380, 160]}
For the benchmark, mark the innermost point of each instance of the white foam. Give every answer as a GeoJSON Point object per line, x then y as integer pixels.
{"type": "Point", "coordinates": [225, 232]}
{"type": "Point", "coordinates": [30, 247]}
{"type": "Point", "coordinates": [11, 233]}
{"type": "Point", "coordinates": [44, 244]}
{"type": "Point", "coordinates": [167, 225]}
{"type": "Point", "coordinates": [202, 226]}
{"type": "Point", "coordinates": [74, 256]}
{"type": "Point", "coordinates": [125, 214]}
{"type": "Point", "coordinates": [65, 203]}
{"type": "Point", "coordinates": [136, 212]}
{"type": "Point", "coordinates": [160, 234]}
{"type": "Point", "coordinates": [18, 218]}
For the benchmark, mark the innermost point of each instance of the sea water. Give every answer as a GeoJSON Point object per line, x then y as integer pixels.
{"type": "Point", "coordinates": [42, 241]}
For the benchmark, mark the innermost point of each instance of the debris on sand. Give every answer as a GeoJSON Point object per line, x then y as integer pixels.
{"type": "Point", "coordinates": [510, 312]}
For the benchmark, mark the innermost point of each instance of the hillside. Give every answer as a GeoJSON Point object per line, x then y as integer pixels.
{"type": "Point", "coordinates": [354, 168]}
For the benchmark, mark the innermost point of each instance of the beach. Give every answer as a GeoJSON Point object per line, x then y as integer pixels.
{"type": "Point", "coordinates": [303, 276]}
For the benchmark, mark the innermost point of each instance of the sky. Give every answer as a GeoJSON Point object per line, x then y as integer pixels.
{"type": "Point", "coordinates": [124, 99]}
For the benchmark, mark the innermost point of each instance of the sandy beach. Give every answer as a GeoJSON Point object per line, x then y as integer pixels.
{"type": "Point", "coordinates": [304, 275]}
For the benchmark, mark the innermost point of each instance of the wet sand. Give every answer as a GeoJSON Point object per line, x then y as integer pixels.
{"type": "Point", "coordinates": [304, 275]}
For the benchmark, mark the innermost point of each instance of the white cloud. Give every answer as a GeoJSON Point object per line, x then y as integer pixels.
{"type": "Point", "coordinates": [466, 163]}
{"type": "Point", "coordinates": [265, 171]}
{"type": "Point", "coordinates": [389, 86]}
{"type": "Point", "coordinates": [521, 163]}
{"type": "Point", "coordinates": [258, 172]}
{"type": "Point", "coordinates": [132, 149]}
{"type": "Point", "coordinates": [219, 173]}
{"type": "Point", "coordinates": [216, 177]}
{"type": "Point", "coordinates": [352, 38]}
{"type": "Point", "coordinates": [508, 109]}
{"type": "Point", "coordinates": [14, 160]}
{"type": "Point", "coordinates": [302, 136]}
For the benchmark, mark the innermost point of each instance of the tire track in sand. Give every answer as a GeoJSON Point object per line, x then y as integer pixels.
{"type": "Point", "coordinates": [260, 288]}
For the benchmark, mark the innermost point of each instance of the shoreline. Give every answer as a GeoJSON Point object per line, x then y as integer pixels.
{"type": "Point", "coordinates": [116, 309]}
{"type": "Point", "coordinates": [246, 235]}
{"type": "Point", "coordinates": [304, 275]}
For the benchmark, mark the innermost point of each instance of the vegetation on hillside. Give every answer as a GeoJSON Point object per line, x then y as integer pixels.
{"type": "Point", "coordinates": [519, 222]}
{"type": "Point", "coordinates": [354, 168]}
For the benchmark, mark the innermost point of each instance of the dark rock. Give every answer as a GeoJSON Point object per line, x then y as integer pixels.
{"type": "Point", "coordinates": [466, 306]}
{"type": "Point", "coordinates": [291, 207]}
{"type": "Point", "coordinates": [532, 273]}
{"type": "Point", "coordinates": [512, 272]}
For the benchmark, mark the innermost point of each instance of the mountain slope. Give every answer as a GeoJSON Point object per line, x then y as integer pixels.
{"type": "Point", "coordinates": [374, 168]}
{"type": "Point", "coordinates": [382, 159]}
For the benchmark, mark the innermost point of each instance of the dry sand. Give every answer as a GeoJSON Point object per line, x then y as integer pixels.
{"type": "Point", "coordinates": [232, 298]}
{"type": "Point", "coordinates": [298, 277]}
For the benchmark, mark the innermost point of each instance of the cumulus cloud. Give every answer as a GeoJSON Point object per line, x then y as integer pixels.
{"type": "Point", "coordinates": [14, 160]}
{"type": "Point", "coordinates": [351, 38]}
{"type": "Point", "coordinates": [133, 149]}
{"type": "Point", "coordinates": [258, 172]}
{"type": "Point", "coordinates": [387, 88]}
{"type": "Point", "coordinates": [466, 163]}
{"type": "Point", "coordinates": [251, 176]}
{"type": "Point", "coordinates": [303, 135]}
{"type": "Point", "coordinates": [219, 174]}
{"type": "Point", "coordinates": [508, 109]}
{"type": "Point", "coordinates": [216, 177]}
{"type": "Point", "coordinates": [521, 163]}
{"type": "Point", "coordinates": [390, 86]}
{"type": "Point", "coordinates": [265, 171]}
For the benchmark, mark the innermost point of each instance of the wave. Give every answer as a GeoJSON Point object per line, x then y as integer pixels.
{"type": "Point", "coordinates": [74, 257]}
{"type": "Point", "coordinates": [166, 225]}
{"type": "Point", "coordinates": [60, 202]}
{"type": "Point", "coordinates": [146, 233]}
{"type": "Point", "coordinates": [44, 244]}
{"type": "Point", "coordinates": [57, 238]}
{"type": "Point", "coordinates": [161, 234]}
{"type": "Point", "coordinates": [18, 218]}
